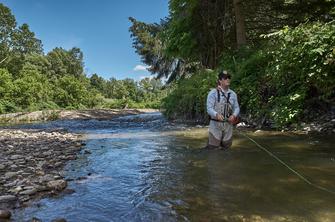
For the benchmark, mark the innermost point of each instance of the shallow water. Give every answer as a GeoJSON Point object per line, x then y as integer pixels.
{"type": "Point", "coordinates": [142, 168]}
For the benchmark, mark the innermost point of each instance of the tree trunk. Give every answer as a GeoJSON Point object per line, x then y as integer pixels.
{"type": "Point", "coordinates": [240, 26]}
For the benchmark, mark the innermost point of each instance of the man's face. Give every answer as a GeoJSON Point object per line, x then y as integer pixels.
{"type": "Point", "coordinates": [225, 82]}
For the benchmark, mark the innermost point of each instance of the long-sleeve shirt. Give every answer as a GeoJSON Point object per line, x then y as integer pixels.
{"type": "Point", "coordinates": [212, 98]}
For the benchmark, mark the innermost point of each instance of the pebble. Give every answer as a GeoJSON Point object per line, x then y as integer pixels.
{"type": "Point", "coordinates": [32, 162]}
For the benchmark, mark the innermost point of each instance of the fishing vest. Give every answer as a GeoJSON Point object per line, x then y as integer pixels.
{"type": "Point", "coordinates": [223, 106]}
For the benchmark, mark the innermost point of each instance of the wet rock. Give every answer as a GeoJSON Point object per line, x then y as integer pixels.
{"type": "Point", "coordinates": [15, 157]}
{"type": "Point", "coordinates": [29, 160]}
{"type": "Point", "coordinates": [10, 174]}
{"type": "Point", "coordinates": [57, 185]}
{"type": "Point", "coordinates": [5, 214]}
{"type": "Point", "coordinates": [69, 191]}
{"type": "Point", "coordinates": [87, 152]}
{"type": "Point", "coordinates": [57, 177]}
{"type": "Point", "coordinates": [35, 219]}
{"type": "Point", "coordinates": [16, 190]}
{"type": "Point", "coordinates": [59, 220]}
{"type": "Point", "coordinates": [2, 166]}
{"type": "Point", "coordinates": [7, 198]}
{"type": "Point", "coordinates": [82, 178]}
{"type": "Point", "coordinates": [29, 192]}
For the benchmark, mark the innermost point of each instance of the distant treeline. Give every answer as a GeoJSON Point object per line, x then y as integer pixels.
{"type": "Point", "coordinates": [31, 80]}
{"type": "Point", "coordinates": [281, 55]}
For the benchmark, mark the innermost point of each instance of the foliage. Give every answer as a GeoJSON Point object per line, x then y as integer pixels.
{"type": "Point", "coordinates": [70, 92]}
{"type": "Point", "coordinates": [290, 76]}
{"type": "Point", "coordinates": [15, 42]}
{"type": "Point", "coordinates": [188, 99]}
{"type": "Point", "coordinates": [6, 90]}
{"type": "Point", "coordinates": [30, 80]}
{"type": "Point", "coordinates": [303, 69]}
{"type": "Point", "coordinates": [148, 42]}
{"type": "Point", "coordinates": [284, 81]}
{"type": "Point", "coordinates": [6, 84]}
{"type": "Point", "coordinates": [7, 106]}
{"type": "Point", "coordinates": [65, 62]}
{"type": "Point", "coordinates": [30, 88]}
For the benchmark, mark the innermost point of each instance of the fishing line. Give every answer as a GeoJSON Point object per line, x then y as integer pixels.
{"type": "Point", "coordinates": [286, 165]}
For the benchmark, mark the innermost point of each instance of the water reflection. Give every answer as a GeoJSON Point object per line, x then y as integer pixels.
{"type": "Point", "coordinates": [142, 172]}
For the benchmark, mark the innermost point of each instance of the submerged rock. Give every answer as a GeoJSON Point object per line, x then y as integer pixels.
{"type": "Point", "coordinates": [5, 214]}
{"type": "Point", "coordinates": [35, 219]}
{"type": "Point", "coordinates": [59, 220]}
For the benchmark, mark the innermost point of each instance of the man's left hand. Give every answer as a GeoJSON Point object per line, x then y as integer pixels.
{"type": "Point", "coordinates": [232, 119]}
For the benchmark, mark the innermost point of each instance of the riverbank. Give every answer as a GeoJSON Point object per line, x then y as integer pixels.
{"type": "Point", "coordinates": [47, 115]}
{"type": "Point", "coordinates": [31, 164]}
{"type": "Point", "coordinates": [324, 125]}
{"type": "Point", "coordinates": [32, 161]}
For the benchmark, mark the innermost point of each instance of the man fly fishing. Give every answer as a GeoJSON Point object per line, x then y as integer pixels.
{"type": "Point", "coordinates": [223, 109]}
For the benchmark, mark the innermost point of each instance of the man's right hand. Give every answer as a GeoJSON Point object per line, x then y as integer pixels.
{"type": "Point", "coordinates": [219, 117]}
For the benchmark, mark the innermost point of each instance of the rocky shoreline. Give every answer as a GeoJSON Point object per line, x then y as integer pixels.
{"type": "Point", "coordinates": [31, 164]}
{"type": "Point", "coordinates": [47, 115]}
{"type": "Point", "coordinates": [32, 161]}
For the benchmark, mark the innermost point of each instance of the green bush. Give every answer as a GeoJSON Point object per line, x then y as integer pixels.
{"type": "Point", "coordinates": [7, 106]}
{"type": "Point", "coordinates": [188, 99]}
{"type": "Point", "coordinates": [30, 89]}
{"type": "Point", "coordinates": [6, 84]}
{"type": "Point", "coordinates": [302, 71]}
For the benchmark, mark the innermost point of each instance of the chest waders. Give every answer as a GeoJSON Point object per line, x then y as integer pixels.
{"type": "Point", "coordinates": [220, 132]}
{"type": "Point", "coordinates": [223, 108]}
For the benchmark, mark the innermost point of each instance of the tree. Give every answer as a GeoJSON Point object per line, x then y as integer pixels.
{"type": "Point", "coordinates": [240, 27]}
{"type": "Point", "coordinates": [7, 26]}
{"type": "Point", "coordinates": [6, 92]}
{"type": "Point", "coordinates": [130, 87]}
{"type": "Point", "coordinates": [150, 87]}
{"type": "Point", "coordinates": [31, 88]}
{"type": "Point", "coordinates": [70, 92]}
{"type": "Point", "coordinates": [149, 45]}
{"type": "Point", "coordinates": [15, 42]}
{"type": "Point", "coordinates": [98, 83]}
{"type": "Point", "coordinates": [41, 63]}
{"type": "Point", "coordinates": [6, 85]}
{"type": "Point", "coordinates": [65, 62]}
{"type": "Point", "coordinates": [24, 41]}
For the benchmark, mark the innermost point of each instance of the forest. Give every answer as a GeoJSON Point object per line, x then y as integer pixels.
{"type": "Point", "coordinates": [280, 54]}
{"type": "Point", "coordinates": [32, 80]}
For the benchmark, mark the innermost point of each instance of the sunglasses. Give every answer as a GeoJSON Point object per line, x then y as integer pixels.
{"type": "Point", "coordinates": [226, 77]}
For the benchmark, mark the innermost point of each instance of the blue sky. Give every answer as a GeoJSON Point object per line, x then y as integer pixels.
{"type": "Point", "coordinates": [98, 27]}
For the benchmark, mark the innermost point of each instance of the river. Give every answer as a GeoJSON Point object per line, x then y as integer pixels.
{"type": "Point", "coordinates": [143, 168]}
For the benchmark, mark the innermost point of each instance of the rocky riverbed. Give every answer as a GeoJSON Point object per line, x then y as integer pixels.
{"type": "Point", "coordinates": [31, 163]}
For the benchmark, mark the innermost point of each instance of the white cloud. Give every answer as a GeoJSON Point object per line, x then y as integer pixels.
{"type": "Point", "coordinates": [141, 68]}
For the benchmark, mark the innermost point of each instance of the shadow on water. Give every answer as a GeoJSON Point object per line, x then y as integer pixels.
{"type": "Point", "coordinates": [143, 168]}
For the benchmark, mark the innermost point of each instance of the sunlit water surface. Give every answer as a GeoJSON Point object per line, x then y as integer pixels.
{"type": "Point", "coordinates": [142, 168]}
